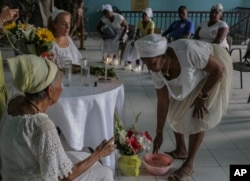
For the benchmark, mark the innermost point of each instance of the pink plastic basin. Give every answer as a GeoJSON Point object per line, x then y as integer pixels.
{"type": "Point", "coordinates": [157, 164]}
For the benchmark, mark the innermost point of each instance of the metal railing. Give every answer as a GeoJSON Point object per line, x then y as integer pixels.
{"type": "Point", "coordinates": [238, 21]}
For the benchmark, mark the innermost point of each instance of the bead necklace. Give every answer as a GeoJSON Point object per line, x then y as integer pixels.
{"type": "Point", "coordinates": [33, 104]}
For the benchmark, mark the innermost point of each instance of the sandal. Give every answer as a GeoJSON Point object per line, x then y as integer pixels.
{"type": "Point", "coordinates": [180, 174]}
{"type": "Point", "coordinates": [175, 156]}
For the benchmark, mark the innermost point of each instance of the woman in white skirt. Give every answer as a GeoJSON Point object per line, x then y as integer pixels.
{"type": "Point", "coordinates": [113, 29]}
{"type": "Point", "coordinates": [193, 84]}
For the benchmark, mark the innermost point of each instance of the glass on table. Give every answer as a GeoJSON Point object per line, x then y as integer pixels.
{"type": "Point", "coordinates": [67, 72]}
{"type": "Point", "coordinates": [85, 73]}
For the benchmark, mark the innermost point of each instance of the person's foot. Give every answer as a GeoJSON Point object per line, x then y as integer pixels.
{"type": "Point", "coordinates": [137, 68]}
{"type": "Point", "coordinates": [177, 155]}
{"type": "Point", "coordinates": [180, 174]}
{"type": "Point", "coordinates": [115, 62]}
{"type": "Point", "coordinates": [128, 67]}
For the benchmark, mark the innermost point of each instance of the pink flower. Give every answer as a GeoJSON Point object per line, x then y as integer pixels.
{"type": "Point", "coordinates": [134, 144]}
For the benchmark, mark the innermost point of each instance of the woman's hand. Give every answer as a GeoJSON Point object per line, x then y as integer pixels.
{"type": "Point", "coordinates": [106, 147]}
{"type": "Point", "coordinates": [200, 108]}
{"type": "Point", "coordinates": [8, 14]}
{"type": "Point", "coordinates": [157, 142]}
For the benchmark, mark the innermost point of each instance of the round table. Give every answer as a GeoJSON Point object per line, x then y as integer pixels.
{"type": "Point", "coordinates": [85, 114]}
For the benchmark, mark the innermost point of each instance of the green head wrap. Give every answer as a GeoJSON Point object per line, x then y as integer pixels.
{"type": "Point", "coordinates": [31, 73]}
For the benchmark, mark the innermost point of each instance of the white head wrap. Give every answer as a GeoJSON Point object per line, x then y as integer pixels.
{"type": "Point", "coordinates": [218, 7]}
{"type": "Point", "coordinates": [107, 7]}
{"type": "Point", "coordinates": [149, 12]}
{"type": "Point", "coordinates": [55, 13]}
{"type": "Point", "coordinates": [151, 45]}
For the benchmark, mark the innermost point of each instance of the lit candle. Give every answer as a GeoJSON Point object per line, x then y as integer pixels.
{"type": "Point", "coordinates": [107, 61]}
{"type": "Point", "coordinates": [106, 68]}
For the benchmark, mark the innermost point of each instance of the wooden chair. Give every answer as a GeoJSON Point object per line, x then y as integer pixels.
{"type": "Point", "coordinates": [243, 65]}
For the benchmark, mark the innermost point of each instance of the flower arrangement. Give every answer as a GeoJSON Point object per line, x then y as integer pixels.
{"type": "Point", "coordinates": [27, 39]}
{"type": "Point", "coordinates": [131, 141]}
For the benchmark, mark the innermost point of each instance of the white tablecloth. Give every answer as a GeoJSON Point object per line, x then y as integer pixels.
{"type": "Point", "coordinates": [85, 114]}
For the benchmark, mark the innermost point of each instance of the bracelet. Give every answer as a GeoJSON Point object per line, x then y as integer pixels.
{"type": "Point", "coordinates": [204, 97]}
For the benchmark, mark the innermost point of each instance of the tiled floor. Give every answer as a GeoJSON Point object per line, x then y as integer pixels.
{"type": "Point", "coordinates": [226, 144]}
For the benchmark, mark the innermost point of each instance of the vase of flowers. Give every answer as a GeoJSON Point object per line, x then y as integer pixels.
{"type": "Point", "coordinates": [28, 39]}
{"type": "Point", "coordinates": [130, 142]}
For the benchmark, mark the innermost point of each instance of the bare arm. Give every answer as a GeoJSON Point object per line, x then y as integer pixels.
{"type": "Point", "coordinates": [137, 35]}
{"type": "Point", "coordinates": [162, 110]}
{"type": "Point", "coordinates": [99, 27]}
{"type": "Point", "coordinates": [187, 36]}
{"type": "Point", "coordinates": [104, 149]}
{"type": "Point", "coordinates": [222, 33]}
{"type": "Point", "coordinates": [150, 31]}
{"type": "Point", "coordinates": [196, 34]}
{"type": "Point", "coordinates": [124, 24]}
{"type": "Point", "coordinates": [215, 72]}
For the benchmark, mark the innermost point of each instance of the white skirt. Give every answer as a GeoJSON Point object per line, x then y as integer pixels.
{"type": "Point", "coordinates": [179, 115]}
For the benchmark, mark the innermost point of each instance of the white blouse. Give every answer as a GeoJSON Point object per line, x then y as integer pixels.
{"type": "Point", "coordinates": [31, 149]}
{"type": "Point", "coordinates": [209, 33]}
{"type": "Point", "coordinates": [193, 57]}
{"type": "Point", "coordinates": [69, 53]}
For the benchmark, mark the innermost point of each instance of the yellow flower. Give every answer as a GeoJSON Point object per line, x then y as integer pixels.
{"type": "Point", "coordinates": [45, 35]}
{"type": "Point", "coordinates": [22, 26]}
{"type": "Point", "coordinates": [10, 26]}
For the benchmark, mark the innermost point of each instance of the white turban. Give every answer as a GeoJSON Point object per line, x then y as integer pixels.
{"type": "Point", "coordinates": [107, 7]}
{"type": "Point", "coordinates": [55, 13]}
{"type": "Point", "coordinates": [151, 45]}
{"type": "Point", "coordinates": [218, 7]}
{"type": "Point", "coordinates": [149, 12]}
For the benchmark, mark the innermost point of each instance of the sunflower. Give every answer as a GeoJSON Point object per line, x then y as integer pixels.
{"type": "Point", "coordinates": [45, 35]}
{"type": "Point", "coordinates": [10, 26]}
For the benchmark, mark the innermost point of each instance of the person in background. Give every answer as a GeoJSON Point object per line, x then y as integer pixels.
{"type": "Point", "coordinates": [193, 82]}
{"type": "Point", "coordinates": [144, 27]}
{"type": "Point", "coordinates": [64, 47]}
{"type": "Point", "coordinates": [183, 28]}
{"type": "Point", "coordinates": [30, 145]}
{"type": "Point", "coordinates": [77, 20]}
{"type": "Point", "coordinates": [113, 28]}
{"type": "Point", "coordinates": [214, 30]}
{"type": "Point", "coordinates": [6, 15]}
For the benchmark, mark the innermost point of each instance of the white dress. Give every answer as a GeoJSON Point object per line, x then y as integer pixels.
{"type": "Point", "coordinates": [69, 53]}
{"type": "Point", "coordinates": [193, 56]}
{"type": "Point", "coordinates": [209, 33]}
{"type": "Point", "coordinates": [31, 150]}
{"type": "Point", "coordinates": [111, 46]}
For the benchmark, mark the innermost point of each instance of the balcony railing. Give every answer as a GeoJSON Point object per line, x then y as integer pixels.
{"type": "Point", "coordinates": [238, 21]}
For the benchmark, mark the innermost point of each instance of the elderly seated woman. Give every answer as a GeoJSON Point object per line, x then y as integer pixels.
{"type": "Point", "coordinates": [30, 146]}
{"type": "Point", "coordinates": [113, 29]}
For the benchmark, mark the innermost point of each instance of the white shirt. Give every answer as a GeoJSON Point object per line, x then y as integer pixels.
{"type": "Point", "coordinates": [116, 24]}
{"type": "Point", "coordinates": [209, 33]}
{"type": "Point", "coordinates": [69, 53]}
{"type": "Point", "coordinates": [193, 57]}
